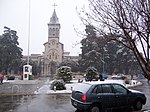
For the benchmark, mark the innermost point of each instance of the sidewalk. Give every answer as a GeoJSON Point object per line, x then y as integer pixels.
{"type": "Point", "coordinates": [20, 86]}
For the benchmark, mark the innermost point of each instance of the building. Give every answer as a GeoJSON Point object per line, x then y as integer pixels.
{"type": "Point", "coordinates": [54, 53]}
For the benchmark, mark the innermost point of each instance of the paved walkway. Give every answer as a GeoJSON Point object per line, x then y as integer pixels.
{"type": "Point", "coordinates": [20, 86]}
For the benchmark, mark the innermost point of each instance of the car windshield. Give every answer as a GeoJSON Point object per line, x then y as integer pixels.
{"type": "Point", "coordinates": [83, 87]}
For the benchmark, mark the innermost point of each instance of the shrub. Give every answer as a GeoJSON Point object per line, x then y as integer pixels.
{"type": "Point", "coordinates": [64, 73]}
{"type": "Point", "coordinates": [11, 77]}
{"type": "Point", "coordinates": [31, 77]}
{"type": "Point", "coordinates": [127, 82]}
{"type": "Point", "coordinates": [59, 84]}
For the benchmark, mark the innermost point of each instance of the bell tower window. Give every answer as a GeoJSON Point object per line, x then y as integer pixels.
{"type": "Point", "coordinates": [50, 31]}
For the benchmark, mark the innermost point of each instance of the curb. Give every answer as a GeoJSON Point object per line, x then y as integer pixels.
{"type": "Point", "coordinates": [31, 94]}
{"type": "Point", "coordinates": [19, 94]}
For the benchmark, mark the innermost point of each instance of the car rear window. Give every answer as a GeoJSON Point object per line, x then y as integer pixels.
{"type": "Point", "coordinates": [82, 87]}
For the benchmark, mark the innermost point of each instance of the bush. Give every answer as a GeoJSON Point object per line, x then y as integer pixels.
{"type": "Point", "coordinates": [11, 77]}
{"type": "Point", "coordinates": [127, 82]}
{"type": "Point", "coordinates": [31, 77]}
{"type": "Point", "coordinates": [59, 84]}
{"type": "Point", "coordinates": [64, 73]}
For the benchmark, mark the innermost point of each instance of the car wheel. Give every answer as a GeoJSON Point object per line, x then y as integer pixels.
{"type": "Point", "coordinates": [138, 105]}
{"type": "Point", "coordinates": [95, 108]}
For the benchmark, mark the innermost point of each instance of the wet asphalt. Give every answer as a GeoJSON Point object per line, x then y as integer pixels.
{"type": "Point", "coordinates": [37, 103]}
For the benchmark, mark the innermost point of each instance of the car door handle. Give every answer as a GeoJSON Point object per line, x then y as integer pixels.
{"type": "Point", "coordinates": [117, 96]}
{"type": "Point", "coordinates": [99, 97]}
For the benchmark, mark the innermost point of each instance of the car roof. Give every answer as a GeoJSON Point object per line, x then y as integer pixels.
{"type": "Point", "coordinates": [84, 86]}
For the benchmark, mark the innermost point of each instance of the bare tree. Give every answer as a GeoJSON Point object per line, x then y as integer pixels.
{"type": "Point", "coordinates": [129, 20]}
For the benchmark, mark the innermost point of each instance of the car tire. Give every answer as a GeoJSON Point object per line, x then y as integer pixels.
{"type": "Point", "coordinates": [138, 105]}
{"type": "Point", "coordinates": [95, 108]}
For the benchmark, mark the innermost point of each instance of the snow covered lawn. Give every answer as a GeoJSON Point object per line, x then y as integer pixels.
{"type": "Point", "coordinates": [45, 89]}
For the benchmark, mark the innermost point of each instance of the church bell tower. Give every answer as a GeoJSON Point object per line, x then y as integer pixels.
{"type": "Point", "coordinates": [53, 26]}
{"type": "Point", "coordinates": [53, 53]}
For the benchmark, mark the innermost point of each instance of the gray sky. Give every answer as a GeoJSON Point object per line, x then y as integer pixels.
{"type": "Point", "coordinates": [15, 13]}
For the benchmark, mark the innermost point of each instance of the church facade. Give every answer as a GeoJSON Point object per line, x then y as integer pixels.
{"type": "Point", "coordinates": [53, 54]}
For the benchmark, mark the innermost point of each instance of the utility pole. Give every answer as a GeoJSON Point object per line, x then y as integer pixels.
{"type": "Point", "coordinates": [28, 33]}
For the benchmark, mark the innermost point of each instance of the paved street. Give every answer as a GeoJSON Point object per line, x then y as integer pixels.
{"type": "Point", "coordinates": [37, 103]}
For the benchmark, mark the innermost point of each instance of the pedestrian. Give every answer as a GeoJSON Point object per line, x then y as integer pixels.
{"type": "Point", "coordinates": [131, 76]}
{"type": "Point", "coordinates": [148, 81]}
{"type": "Point", "coordinates": [1, 77]}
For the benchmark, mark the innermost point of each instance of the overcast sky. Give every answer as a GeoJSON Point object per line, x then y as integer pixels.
{"type": "Point", "coordinates": [15, 13]}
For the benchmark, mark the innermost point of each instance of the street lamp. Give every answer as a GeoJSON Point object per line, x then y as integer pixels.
{"type": "Point", "coordinates": [103, 60]}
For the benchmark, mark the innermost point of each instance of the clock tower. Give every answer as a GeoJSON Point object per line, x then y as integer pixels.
{"type": "Point", "coordinates": [53, 53]}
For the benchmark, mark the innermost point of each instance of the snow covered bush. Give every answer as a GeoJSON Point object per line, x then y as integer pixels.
{"type": "Point", "coordinates": [64, 73]}
{"type": "Point", "coordinates": [58, 84]}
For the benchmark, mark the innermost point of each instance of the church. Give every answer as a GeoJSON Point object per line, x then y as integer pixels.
{"type": "Point", "coordinates": [53, 53]}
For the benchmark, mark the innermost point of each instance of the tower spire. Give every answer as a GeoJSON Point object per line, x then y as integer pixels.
{"type": "Point", "coordinates": [54, 18]}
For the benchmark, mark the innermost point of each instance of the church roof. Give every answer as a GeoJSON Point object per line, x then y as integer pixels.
{"type": "Point", "coordinates": [54, 18]}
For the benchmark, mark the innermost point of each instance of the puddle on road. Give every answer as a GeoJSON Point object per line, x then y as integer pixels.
{"type": "Point", "coordinates": [10, 103]}
{"type": "Point", "coordinates": [22, 103]}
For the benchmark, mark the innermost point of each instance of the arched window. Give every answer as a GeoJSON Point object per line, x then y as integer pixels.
{"type": "Point", "coordinates": [50, 56]}
{"type": "Point", "coordinates": [54, 31]}
{"type": "Point", "coordinates": [56, 56]}
{"type": "Point", "coordinates": [57, 32]}
{"type": "Point", "coordinates": [50, 31]}
{"type": "Point", "coordinates": [53, 42]}
{"type": "Point", "coordinates": [53, 53]}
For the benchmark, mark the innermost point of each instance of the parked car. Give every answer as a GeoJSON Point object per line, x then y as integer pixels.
{"type": "Point", "coordinates": [140, 76]}
{"type": "Point", "coordinates": [119, 76]}
{"type": "Point", "coordinates": [97, 96]}
{"type": "Point", "coordinates": [104, 76]}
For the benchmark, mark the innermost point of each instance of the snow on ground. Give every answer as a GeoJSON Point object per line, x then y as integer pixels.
{"type": "Point", "coordinates": [5, 81]}
{"type": "Point", "coordinates": [21, 81]}
{"type": "Point", "coordinates": [45, 89]}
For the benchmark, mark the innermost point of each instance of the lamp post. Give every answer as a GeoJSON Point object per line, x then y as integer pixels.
{"type": "Point", "coordinates": [28, 33]}
{"type": "Point", "coordinates": [103, 61]}
{"type": "Point", "coordinates": [148, 47]}
{"type": "Point", "coordinates": [27, 69]}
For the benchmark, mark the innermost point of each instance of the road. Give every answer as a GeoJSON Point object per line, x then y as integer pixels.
{"type": "Point", "coordinates": [145, 88]}
{"type": "Point", "coordinates": [51, 103]}
{"type": "Point", "coordinates": [37, 103]}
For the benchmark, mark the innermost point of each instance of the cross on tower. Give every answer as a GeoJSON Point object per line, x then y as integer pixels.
{"type": "Point", "coordinates": [54, 5]}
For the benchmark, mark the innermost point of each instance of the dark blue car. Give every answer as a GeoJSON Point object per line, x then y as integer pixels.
{"type": "Point", "coordinates": [96, 96]}
{"type": "Point", "coordinates": [104, 76]}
